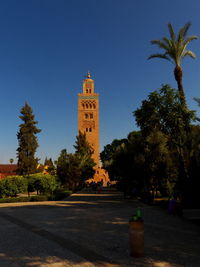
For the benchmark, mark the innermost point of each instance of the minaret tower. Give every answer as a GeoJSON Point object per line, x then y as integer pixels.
{"type": "Point", "coordinates": [88, 115]}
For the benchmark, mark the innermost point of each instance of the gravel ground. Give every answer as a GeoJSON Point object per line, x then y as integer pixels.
{"type": "Point", "coordinates": [92, 230]}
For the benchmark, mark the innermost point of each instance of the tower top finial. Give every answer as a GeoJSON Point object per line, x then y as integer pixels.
{"type": "Point", "coordinates": [88, 75]}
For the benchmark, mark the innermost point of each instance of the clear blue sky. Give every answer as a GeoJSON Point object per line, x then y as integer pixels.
{"type": "Point", "coordinates": [46, 48]}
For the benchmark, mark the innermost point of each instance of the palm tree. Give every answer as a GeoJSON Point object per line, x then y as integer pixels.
{"type": "Point", "coordinates": [175, 49]}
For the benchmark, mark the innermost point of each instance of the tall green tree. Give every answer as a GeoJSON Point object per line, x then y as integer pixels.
{"type": "Point", "coordinates": [62, 166]}
{"type": "Point", "coordinates": [163, 112]}
{"type": "Point", "coordinates": [83, 152]}
{"type": "Point", "coordinates": [68, 170]}
{"type": "Point", "coordinates": [50, 166]}
{"type": "Point", "coordinates": [139, 162]}
{"type": "Point", "coordinates": [110, 157]}
{"type": "Point", "coordinates": [74, 169]}
{"type": "Point", "coordinates": [175, 49]}
{"type": "Point", "coordinates": [158, 164]}
{"type": "Point", "coordinates": [193, 184]}
{"type": "Point", "coordinates": [27, 140]}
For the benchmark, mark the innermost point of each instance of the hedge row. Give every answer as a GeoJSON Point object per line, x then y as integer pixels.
{"type": "Point", "coordinates": [55, 196]}
{"type": "Point", "coordinates": [14, 185]}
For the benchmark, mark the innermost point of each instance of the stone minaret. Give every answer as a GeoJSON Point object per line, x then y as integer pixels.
{"type": "Point", "coordinates": [88, 115]}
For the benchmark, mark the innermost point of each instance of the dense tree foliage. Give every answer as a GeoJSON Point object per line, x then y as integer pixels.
{"type": "Point", "coordinates": [27, 162]}
{"type": "Point", "coordinates": [161, 157]}
{"type": "Point", "coordinates": [74, 169]}
{"type": "Point", "coordinates": [124, 161]}
{"type": "Point", "coordinates": [163, 111]}
{"type": "Point", "coordinates": [83, 152]}
{"type": "Point", "coordinates": [49, 166]}
{"type": "Point", "coordinates": [68, 170]}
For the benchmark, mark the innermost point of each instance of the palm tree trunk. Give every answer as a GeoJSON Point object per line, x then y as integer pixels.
{"type": "Point", "coordinates": [183, 172]}
{"type": "Point", "coordinates": [178, 73]}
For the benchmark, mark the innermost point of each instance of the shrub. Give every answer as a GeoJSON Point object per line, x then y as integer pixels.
{"type": "Point", "coordinates": [13, 185]}
{"type": "Point", "coordinates": [24, 199]}
{"type": "Point", "coordinates": [39, 198]}
{"type": "Point", "coordinates": [43, 183]}
{"type": "Point", "coordinates": [14, 199]}
{"type": "Point", "coordinates": [58, 196]}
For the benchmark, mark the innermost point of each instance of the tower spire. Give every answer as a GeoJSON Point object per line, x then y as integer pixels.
{"type": "Point", "coordinates": [88, 75]}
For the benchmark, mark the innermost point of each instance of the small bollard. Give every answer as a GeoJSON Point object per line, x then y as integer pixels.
{"type": "Point", "coordinates": [172, 206]}
{"type": "Point", "coordinates": [136, 235]}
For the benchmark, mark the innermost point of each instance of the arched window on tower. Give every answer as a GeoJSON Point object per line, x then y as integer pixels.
{"type": "Point", "coordinates": [86, 106]}
{"type": "Point", "coordinates": [90, 105]}
{"type": "Point", "coordinates": [86, 129]}
{"type": "Point", "coordinates": [87, 91]}
{"type": "Point", "coordinates": [94, 106]}
{"type": "Point", "coordinates": [90, 91]}
{"type": "Point", "coordinates": [83, 106]}
{"type": "Point", "coordinates": [90, 129]}
{"type": "Point", "coordinates": [86, 116]}
{"type": "Point", "coordinates": [91, 116]}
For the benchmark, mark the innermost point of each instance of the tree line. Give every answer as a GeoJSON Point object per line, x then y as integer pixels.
{"type": "Point", "coordinates": [163, 156]}
{"type": "Point", "coordinates": [71, 169]}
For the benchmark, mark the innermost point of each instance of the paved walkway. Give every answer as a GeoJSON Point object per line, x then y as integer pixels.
{"type": "Point", "coordinates": [90, 230]}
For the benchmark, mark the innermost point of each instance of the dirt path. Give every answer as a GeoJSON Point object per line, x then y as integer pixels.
{"type": "Point", "coordinates": [91, 229]}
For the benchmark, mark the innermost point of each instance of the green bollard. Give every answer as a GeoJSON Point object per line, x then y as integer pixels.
{"type": "Point", "coordinates": [136, 235]}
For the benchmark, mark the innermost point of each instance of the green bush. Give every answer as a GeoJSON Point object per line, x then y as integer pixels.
{"type": "Point", "coordinates": [12, 186]}
{"type": "Point", "coordinates": [43, 183]}
{"type": "Point", "coordinates": [25, 199]}
{"type": "Point", "coordinates": [39, 198]}
{"type": "Point", "coordinates": [57, 196]}
{"type": "Point", "coordinates": [14, 199]}
{"type": "Point", "coordinates": [46, 184]}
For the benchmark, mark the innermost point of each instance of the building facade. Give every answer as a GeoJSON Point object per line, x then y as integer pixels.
{"type": "Point", "coordinates": [88, 115]}
{"type": "Point", "coordinates": [88, 123]}
{"type": "Point", "coordinates": [7, 170]}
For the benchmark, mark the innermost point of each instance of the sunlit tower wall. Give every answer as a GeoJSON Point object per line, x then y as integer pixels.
{"type": "Point", "coordinates": [88, 116]}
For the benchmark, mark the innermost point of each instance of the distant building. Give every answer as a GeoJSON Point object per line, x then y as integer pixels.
{"type": "Point", "coordinates": [7, 170]}
{"type": "Point", "coordinates": [88, 123]}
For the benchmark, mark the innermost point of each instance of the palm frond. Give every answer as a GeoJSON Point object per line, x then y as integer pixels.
{"type": "Point", "coordinates": [164, 56]}
{"type": "Point", "coordinates": [188, 53]}
{"type": "Point", "coordinates": [186, 28]}
{"type": "Point", "coordinates": [197, 99]}
{"type": "Point", "coordinates": [171, 32]}
{"type": "Point", "coordinates": [183, 46]}
{"type": "Point", "coordinates": [189, 39]}
{"type": "Point", "coordinates": [183, 31]}
{"type": "Point", "coordinates": [167, 41]}
{"type": "Point", "coordinates": [160, 44]}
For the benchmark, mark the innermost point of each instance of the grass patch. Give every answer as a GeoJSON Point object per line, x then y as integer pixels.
{"type": "Point", "coordinates": [59, 195]}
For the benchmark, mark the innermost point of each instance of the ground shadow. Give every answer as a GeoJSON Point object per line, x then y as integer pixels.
{"type": "Point", "coordinates": [93, 228]}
